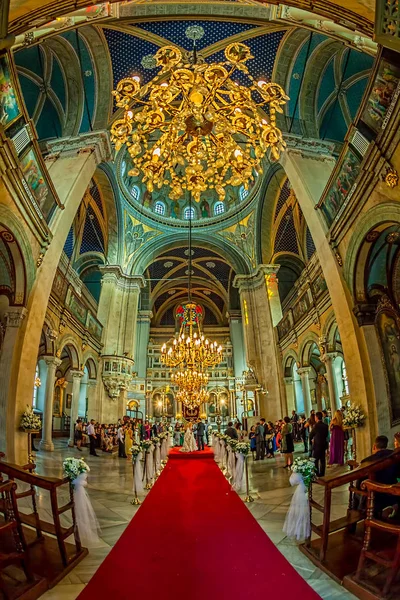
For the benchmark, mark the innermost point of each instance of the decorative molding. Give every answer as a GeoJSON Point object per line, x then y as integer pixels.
{"type": "Point", "coordinates": [15, 316]}
{"type": "Point", "coordinates": [93, 142]}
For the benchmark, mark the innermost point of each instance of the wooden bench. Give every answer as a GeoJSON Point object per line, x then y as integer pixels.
{"type": "Point", "coordinates": [50, 555]}
{"type": "Point", "coordinates": [338, 542]}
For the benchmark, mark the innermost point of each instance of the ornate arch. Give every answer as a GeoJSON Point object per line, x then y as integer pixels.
{"type": "Point", "coordinates": [72, 343]}
{"type": "Point", "coordinates": [90, 360]}
{"type": "Point", "coordinates": [305, 347]}
{"type": "Point", "coordinates": [289, 358]}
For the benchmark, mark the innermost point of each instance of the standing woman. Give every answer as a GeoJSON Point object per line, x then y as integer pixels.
{"type": "Point", "coordinates": [147, 430]}
{"type": "Point", "coordinates": [287, 442]}
{"type": "Point", "coordinates": [128, 441]}
{"type": "Point", "coordinates": [336, 446]}
{"type": "Point", "coordinates": [252, 438]}
{"type": "Point", "coordinates": [78, 434]}
{"type": "Point", "coordinates": [310, 426]}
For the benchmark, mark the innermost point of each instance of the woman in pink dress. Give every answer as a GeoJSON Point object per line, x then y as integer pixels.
{"type": "Point", "coordinates": [147, 430]}
{"type": "Point", "coordinates": [336, 446]}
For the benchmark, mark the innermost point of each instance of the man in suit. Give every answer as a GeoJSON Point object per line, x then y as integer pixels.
{"type": "Point", "coordinates": [260, 443]}
{"type": "Point", "coordinates": [92, 438]}
{"type": "Point", "coordinates": [200, 430]}
{"type": "Point", "coordinates": [319, 440]}
{"type": "Point", "coordinates": [231, 431]}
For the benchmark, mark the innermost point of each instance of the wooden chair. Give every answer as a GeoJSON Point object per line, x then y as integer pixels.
{"type": "Point", "coordinates": [389, 562]}
{"type": "Point", "coordinates": [12, 540]}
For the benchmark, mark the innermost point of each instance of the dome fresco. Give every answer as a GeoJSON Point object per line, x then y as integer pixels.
{"type": "Point", "coordinates": [158, 206]}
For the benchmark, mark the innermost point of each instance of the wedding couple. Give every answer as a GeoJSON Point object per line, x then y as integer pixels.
{"type": "Point", "coordinates": [189, 441]}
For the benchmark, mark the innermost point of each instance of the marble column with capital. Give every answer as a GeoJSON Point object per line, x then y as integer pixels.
{"type": "Point", "coordinates": [261, 349]}
{"type": "Point", "coordinates": [76, 386]}
{"type": "Point", "coordinates": [304, 373]}
{"type": "Point", "coordinates": [290, 395]}
{"type": "Point", "coordinates": [71, 165]}
{"type": "Point", "coordinates": [328, 359]}
{"type": "Point", "coordinates": [46, 443]}
{"type": "Point", "coordinates": [9, 425]}
{"type": "Point", "coordinates": [93, 399]}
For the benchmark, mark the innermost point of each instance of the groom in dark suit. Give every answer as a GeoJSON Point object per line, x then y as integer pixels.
{"type": "Point", "coordinates": [319, 440]}
{"type": "Point", "coordinates": [200, 430]}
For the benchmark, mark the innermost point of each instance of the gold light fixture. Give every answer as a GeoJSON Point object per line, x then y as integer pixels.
{"type": "Point", "coordinates": [192, 399]}
{"type": "Point", "coordinates": [190, 378]}
{"type": "Point", "coordinates": [191, 350]}
{"type": "Point", "coordinates": [194, 128]}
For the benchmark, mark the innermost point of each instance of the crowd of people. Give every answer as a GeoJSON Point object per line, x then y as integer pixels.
{"type": "Point", "coordinates": [121, 435]}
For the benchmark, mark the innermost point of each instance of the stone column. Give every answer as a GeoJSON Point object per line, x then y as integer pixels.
{"type": "Point", "coordinates": [290, 396]}
{"type": "Point", "coordinates": [76, 386]}
{"type": "Point", "coordinates": [328, 359]}
{"type": "Point", "coordinates": [260, 339]}
{"type": "Point", "coordinates": [305, 384]}
{"type": "Point", "coordinates": [9, 422]}
{"type": "Point", "coordinates": [142, 341]}
{"type": "Point", "coordinates": [308, 175]}
{"type": "Point", "coordinates": [71, 166]}
{"type": "Point", "coordinates": [238, 349]}
{"type": "Point", "coordinates": [46, 443]}
{"type": "Point", "coordinates": [93, 399]}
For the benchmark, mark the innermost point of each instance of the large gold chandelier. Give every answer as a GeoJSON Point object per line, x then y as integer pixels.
{"type": "Point", "coordinates": [193, 128]}
{"type": "Point", "coordinates": [190, 379]}
{"type": "Point", "coordinates": [191, 350]}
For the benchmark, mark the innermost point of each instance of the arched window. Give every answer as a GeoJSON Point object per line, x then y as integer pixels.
{"type": "Point", "coordinates": [36, 384]}
{"type": "Point", "coordinates": [135, 192]}
{"type": "Point", "coordinates": [219, 208]}
{"type": "Point", "coordinates": [159, 208]}
{"type": "Point", "coordinates": [243, 193]}
{"type": "Point", "coordinates": [189, 213]}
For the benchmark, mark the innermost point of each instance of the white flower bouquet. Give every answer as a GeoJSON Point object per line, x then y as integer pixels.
{"type": "Point", "coordinates": [306, 468]}
{"type": "Point", "coordinates": [242, 448]}
{"type": "Point", "coordinates": [155, 440]}
{"type": "Point", "coordinates": [74, 467]}
{"type": "Point", "coordinates": [232, 443]}
{"type": "Point", "coordinates": [135, 451]}
{"type": "Point", "coordinates": [354, 417]}
{"type": "Point", "coordinates": [30, 420]}
{"type": "Point", "coordinates": [162, 435]}
{"type": "Point", "coordinates": [146, 444]}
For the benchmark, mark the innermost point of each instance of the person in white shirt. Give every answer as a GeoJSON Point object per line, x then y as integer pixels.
{"type": "Point", "coordinates": [121, 442]}
{"type": "Point", "coordinates": [92, 438]}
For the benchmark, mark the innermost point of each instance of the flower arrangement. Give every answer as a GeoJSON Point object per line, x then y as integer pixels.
{"type": "Point", "coordinates": [306, 468]}
{"type": "Point", "coordinates": [30, 420]}
{"type": "Point", "coordinates": [146, 445]}
{"type": "Point", "coordinates": [74, 467]}
{"type": "Point", "coordinates": [162, 435]}
{"type": "Point", "coordinates": [155, 440]}
{"type": "Point", "coordinates": [135, 451]}
{"type": "Point", "coordinates": [242, 448]}
{"type": "Point", "coordinates": [232, 443]}
{"type": "Point", "coordinates": [354, 417]}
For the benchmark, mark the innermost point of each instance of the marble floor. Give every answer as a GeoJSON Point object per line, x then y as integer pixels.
{"type": "Point", "coordinates": [110, 492]}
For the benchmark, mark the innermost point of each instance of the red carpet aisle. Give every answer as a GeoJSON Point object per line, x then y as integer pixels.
{"type": "Point", "coordinates": [193, 539]}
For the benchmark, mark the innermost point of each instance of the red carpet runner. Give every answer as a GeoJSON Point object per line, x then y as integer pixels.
{"type": "Point", "coordinates": [194, 539]}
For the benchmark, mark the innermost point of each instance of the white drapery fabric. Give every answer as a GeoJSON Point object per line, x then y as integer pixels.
{"type": "Point", "coordinates": [164, 449]}
{"type": "Point", "coordinates": [222, 456]}
{"type": "Point", "coordinates": [149, 465]}
{"type": "Point", "coordinates": [239, 471]}
{"type": "Point", "coordinates": [216, 447]}
{"type": "Point", "coordinates": [157, 458]}
{"type": "Point", "coordinates": [231, 463]}
{"type": "Point", "coordinates": [137, 487]}
{"type": "Point", "coordinates": [297, 523]}
{"type": "Point", "coordinates": [86, 520]}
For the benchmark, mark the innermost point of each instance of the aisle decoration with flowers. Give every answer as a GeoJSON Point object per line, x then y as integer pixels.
{"type": "Point", "coordinates": [30, 423]}
{"type": "Point", "coordinates": [136, 453]}
{"type": "Point", "coordinates": [216, 446]}
{"type": "Point", "coordinates": [297, 523]}
{"type": "Point", "coordinates": [157, 455]}
{"type": "Point", "coordinates": [231, 458]}
{"type": "Point", "coordinates": [76, 469]}
{"type": "Point", "coordinates": [148, 469]}
{"type": "Point", "coordinates": [164, 446]}
{"type": "Point", "coordinates": [354, 418]}
{"type": "Point", "coordinates": [241, 450]}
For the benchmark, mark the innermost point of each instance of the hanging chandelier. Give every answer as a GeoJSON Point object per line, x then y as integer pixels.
{"type": "Point", "coordinates": [193, 128]}
{"type": "Point", "coordinates": [191, 350]}
{"type": "Point", "coordinates": [190, 379]}
{"type": "Point", "coordinates": [192, 399]}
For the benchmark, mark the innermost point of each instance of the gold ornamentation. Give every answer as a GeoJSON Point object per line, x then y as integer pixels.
{"type": "Point", "coordinates": [39, 259]}
{"type": "Point", "coordinates": [339, 259]}
{"type": "Point", "coordinates": [193, 128]}
{"type": "Point", "coordinates": [391, 177]}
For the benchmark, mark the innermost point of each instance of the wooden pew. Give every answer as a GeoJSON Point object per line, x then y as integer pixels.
{"type": "Point", "coordinates": [337, 547]}
{"type": "Point", "coordinates": [50, 555]}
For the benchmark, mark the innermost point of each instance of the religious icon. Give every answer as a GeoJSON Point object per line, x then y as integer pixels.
{"type": "Point", "coordinates": [34, 177]}
{"type": "Point", "coordinates": [9, 109]}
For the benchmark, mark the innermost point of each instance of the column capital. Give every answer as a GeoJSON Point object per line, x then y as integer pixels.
{"type": "Point", "coordinates": [92, 383]}
{"type": "Point", "coordinates": [15, 315]}
{"type": "Point", "coordinates": [234, 315]}
{"type": "Point", "coordinates": [97, 142]}
{"type": "Point", "coordinates": [329, 357]}
{"type": "Point", "coordinates": [255, 279]}
{"type": "Point", "coordinates": [76, 374]}
{"type": "Point", "coordinates": [304, 371]}
{"type": "Point", "coordinates": [114, 274]}
{"type": "Point", "coordinates": [52, 361]}
{"type": "Point", "coordinates": [288, 380]}
{"type": "Point", "coordinates": [144, 316]}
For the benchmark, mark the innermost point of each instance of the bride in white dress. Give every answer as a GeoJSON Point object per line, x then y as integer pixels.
{"type": "Point", "coordinates": [189, 443]}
